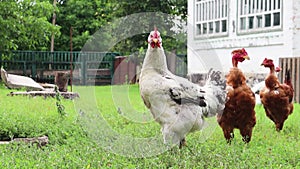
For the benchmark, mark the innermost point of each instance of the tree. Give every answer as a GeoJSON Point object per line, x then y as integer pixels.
{"type": "Point", "coordinates": [156, 12]}
{"type": "Point", "coordinates": [85, 18]}
{"type": "Point", "coordinates": [24, 25]}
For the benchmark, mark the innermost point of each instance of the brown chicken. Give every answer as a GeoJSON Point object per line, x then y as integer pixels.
{"type": "Point", "coordinates": [277, 98]}
{"type": "Point", "coordinates": [239, 109]}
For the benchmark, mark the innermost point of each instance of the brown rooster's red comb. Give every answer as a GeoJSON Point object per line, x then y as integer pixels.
{"type": "Point", "coordinates": [277, 69]}
{"type": "Point", "coordinates": [243, 50]}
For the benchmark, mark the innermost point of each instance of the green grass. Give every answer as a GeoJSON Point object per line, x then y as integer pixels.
{"type": "Point", "coordinates": [114, 128]}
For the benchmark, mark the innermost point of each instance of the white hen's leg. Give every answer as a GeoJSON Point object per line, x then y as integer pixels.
{"type": "Point", "coordinates": [170, 137]}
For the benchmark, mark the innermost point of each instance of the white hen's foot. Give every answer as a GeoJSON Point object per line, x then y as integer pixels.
{"type": "Point", "coordinates": [182, 143]}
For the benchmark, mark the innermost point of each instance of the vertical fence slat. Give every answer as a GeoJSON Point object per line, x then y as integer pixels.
{"type": "Point", "coordinates": [297, 81]}
{"type": "Point", "coordinates": [292, 64]}
{"type": "Point", "coordinates": [283, 67]}
{"type": "Point", "coordinates": [280, 73]}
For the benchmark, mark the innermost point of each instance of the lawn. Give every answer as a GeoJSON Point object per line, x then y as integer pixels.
{"type": "Point", "coordinates": [109, 127]}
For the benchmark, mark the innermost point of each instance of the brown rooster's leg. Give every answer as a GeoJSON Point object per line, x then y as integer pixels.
{"type": "Point", "coordinates": [182, 143]}
{"type": "Point", "coordinates": [279, 126]}
{"type": "Point", "coordinates": [246, 138]}
{"type": "Point", "coordinates": [228, 134]}
{"type": "Point", "coordinates": [246, 134]}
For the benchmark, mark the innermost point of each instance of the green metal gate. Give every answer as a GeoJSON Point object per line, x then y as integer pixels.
{"type": "Point", "coordinates": [42, 65]}
{"type": "Point", "coordinates": [87, 67]}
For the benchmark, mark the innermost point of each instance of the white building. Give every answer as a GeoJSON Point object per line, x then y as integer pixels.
{"type": "Point", "coordinates": [265, 28]}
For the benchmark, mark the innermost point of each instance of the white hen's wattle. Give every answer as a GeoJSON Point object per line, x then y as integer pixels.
{"type": "Point", "coordinates": [177, 104]}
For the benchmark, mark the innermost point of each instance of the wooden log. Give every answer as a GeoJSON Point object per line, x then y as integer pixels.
{"type": "Point", "coordinates": [39, 141]}
{"type": "Point", "coordinates": [66, 95]}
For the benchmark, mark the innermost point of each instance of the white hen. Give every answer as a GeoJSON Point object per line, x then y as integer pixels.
{"type": "Point", "coordinates": [177, 104]}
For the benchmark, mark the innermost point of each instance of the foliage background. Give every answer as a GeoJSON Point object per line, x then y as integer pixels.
{"type": "Point", "coordinates": [27, 25]}
{"type": "Point", "coordinates": [24, 25]}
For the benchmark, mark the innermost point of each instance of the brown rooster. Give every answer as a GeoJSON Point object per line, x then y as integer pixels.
{"type": "Point", "coordinates": [239, 109]}
{"type": "Point", "coordinates": [277, 98]}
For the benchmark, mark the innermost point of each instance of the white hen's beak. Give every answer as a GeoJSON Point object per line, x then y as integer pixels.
{"type": "Point", "coordinates": [155, 40]}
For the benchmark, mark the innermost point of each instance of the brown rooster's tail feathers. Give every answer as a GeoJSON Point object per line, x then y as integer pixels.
{"type": "Point", "coordinates": [288, 82]}
{"type": "Point", "coordinates": [287, 78]}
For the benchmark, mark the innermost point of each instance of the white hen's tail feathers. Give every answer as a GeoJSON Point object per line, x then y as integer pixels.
{"type": "Point", "coordinates": [216, 78]}
{"type": "Point", "coordinates": [215, 93]}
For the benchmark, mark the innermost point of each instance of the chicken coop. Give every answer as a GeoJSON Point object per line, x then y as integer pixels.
{"type": "Point", "coordinates": [265, 28]}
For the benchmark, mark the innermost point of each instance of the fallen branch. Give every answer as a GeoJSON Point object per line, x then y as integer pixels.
{"type": "Point", "coordinates": [66, 95]}
{"type": "Point", "coordinates": [40, 141]}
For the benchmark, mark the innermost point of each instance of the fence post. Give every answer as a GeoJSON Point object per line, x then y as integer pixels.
{"type": "Point", "coordinates": [84, 69]}
{"type": "Point", "coordinates": [33, 65]}
{"type": "Point", "coordinates": [112, 61]}
{"type": "Point", "coordinates": [116, 79]}
{"type": "Point", "coordinates": [24, 68]}
{"type": "Point", "coordinates": [1, 58]}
